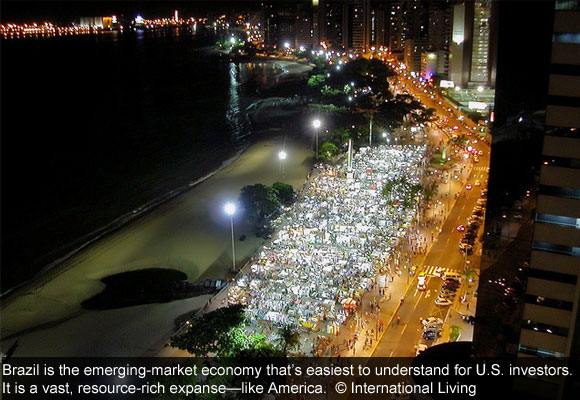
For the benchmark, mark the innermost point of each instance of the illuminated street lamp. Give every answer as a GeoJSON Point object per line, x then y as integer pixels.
{"type": "Point", "coordinates": [230, 209]}
{"type": "Point", "coordinates": [316, 124]}
{"type": "Point", "coordinates": [233, 40]}
{"type": "Point", "coordinates": [282, 156]}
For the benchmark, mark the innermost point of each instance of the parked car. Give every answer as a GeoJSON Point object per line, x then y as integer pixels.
{"type": "Point", "coordinates": [429, 335]}
{"type": "Point", "coordinates": [432, 321]}
{"type": "Point", "coordinates": [421, 347]}
{"type": "Point", "coordinates": [443, 302]}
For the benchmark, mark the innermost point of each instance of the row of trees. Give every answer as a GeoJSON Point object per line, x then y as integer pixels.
{"type": "Point", "coordinates": [357, 97]}
{"type": "Point", "coordinates": [408, 194]}
{"type": "Point", "coordinates": [222, 333]}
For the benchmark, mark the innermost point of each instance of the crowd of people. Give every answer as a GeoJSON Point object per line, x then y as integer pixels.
{"type": "Point", "coordinates": [333, 244]}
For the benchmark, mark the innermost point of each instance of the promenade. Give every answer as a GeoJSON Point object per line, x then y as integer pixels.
{"type": "Point", "coordinates": [190, 234]}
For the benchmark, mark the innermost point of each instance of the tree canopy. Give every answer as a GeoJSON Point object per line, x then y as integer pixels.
{"type": "Point", "coordinates": [216, 332]}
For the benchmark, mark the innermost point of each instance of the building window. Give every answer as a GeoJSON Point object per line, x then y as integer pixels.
{"type": "Point", "coordinates": [549, 302]}
{"type": "Point", "coordinates": [558, 220]}
{"type": "Point", "coordinates": [534, 351]}
{"type": "Point", "coordinates": [552, 276]}
{"type": "Point", "coordinates": [557, 191]}
{"type": "Point", "coordinates": [556, 248]}
{"type": "Point", "coordinates": [562, 162]}
{"type": "Point", "coordinates": [545, 328]}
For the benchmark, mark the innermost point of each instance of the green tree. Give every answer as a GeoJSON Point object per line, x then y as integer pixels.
{"type": "Point", "coordinates": [455, 332]}
{"type": "Point", "coordinates": [285, 193]}
{"type": "Point", "coordinates": [328, 150]}
{"type": "Point", "coordinates": [339, 137]}
{"type": "Point", "coordinates": [316, 80]}
{"type": "Point", "coordinates": [288, 338]}
{"type": "Point", "coordinates": [259, 201]}
{"type": "Point", "coordinates": [214, 332]}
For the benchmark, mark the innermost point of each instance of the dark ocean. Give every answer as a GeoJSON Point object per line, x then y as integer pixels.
{"type": "Point", "coordinates": [95, 126]}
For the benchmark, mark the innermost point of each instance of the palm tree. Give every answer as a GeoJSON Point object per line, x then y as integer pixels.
{"type": "Point", "coordinates": [288, 338]}
{"type": "Point", "coordinates": [455, 332]}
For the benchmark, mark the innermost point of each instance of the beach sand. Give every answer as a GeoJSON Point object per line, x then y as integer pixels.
{"type": "Point", "coordinates": [191, 233]}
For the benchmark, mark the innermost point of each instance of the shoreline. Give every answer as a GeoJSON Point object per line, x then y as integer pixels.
{"type": "Point", "coordinates": [157, 239]}
{"type": "Point", "coordinates": [119, 223]}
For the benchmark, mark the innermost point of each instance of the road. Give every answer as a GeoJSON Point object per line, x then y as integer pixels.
{"type": "Point", "coordinates": [402, 337]}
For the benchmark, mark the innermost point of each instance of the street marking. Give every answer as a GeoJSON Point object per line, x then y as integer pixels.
{"type": "Point", "coordinates": [404, 327]}
{"type": "Point", "coordinates": [418, 301]}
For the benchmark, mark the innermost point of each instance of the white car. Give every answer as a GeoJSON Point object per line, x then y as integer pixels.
{"type": "Point", "coordinates": [420, 348]}
{"type": "Point", "coordinates": [443, 302]}
{"type": "Point", "coordinates": [432, 321]}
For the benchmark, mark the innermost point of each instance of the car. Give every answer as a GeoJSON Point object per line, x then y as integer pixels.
{"type": "Point", "coordinates": [466, 248]}
{"type": "Point", "coordinates": [477, 183]}
{"type": "Point", "coordinates": [449, 288]}
{"type": "Point", "coordinates": [475, 159]}
{"type": "Point", "coordinates": [480, 152]}
{"type": "Point", "coordinates": [460, 228]}
{"type": "Point", "coordinates": [438, 272]}
{"type": "Point", "coordinates": [421, 286]}
{"type": "Point", "coordinates": [443, 303]}
{"type": "Point", "coordinates": [481, 202]}
{"type": "Point", "coordinates": [432, 321]}
{"type": "Point", "coordinates": [451, 282]}
{"type": "Point", "coordinates": [433, 328]}
{"type": "Point", "coordinates": [468, 187]}
{"type": "Point", "coordinates": [467, 240]}
{"type": "Point", "coordinates": [448, 295]}
{"type": "Point", "coordinates": [473, 222]}
{"type": "Point", "coordinates": [517, 216]}
{"type": "Point", "coordinates": [452, 275]}
{"type": "Point", "coordinates": [429, 335]}
{"type": "Point", "coordinates": [421, 347]}
{"type": "Point", "coordinates": [470, 234]}
{"type": "Point", "coordinates": [479, 213]}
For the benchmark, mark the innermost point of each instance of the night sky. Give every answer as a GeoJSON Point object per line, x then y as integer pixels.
{"type": "Point", "coordinates": [67, 11]}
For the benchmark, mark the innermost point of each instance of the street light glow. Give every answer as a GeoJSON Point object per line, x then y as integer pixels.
{"type": "Point", "coordinates": [287, 45]}
{"type": "Point", "coordinates": [385, 134]}
{"type": "Point", "coordinates": [233, 40]}
{"type": "Point", "coordinates": [230, 208]}
{"type": "Point", "coordinates": [282, 155]}
{"type": "Point", "coordinates": [316, 123]}
{"type": "Point", "coordinates": [480, 89]}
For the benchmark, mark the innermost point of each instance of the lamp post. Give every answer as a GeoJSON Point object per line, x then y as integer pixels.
{"type": "Point", "coordinates": [316, 124]}
{"type": "Point", "coordinates": [371, 130]}
{"type": "Point", "coordinates": [282, 156]}
{"type": "Point", "coordinates": [230, 209]}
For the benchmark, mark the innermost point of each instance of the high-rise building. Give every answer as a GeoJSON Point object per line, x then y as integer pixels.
{"type": "Point", "coordinates": [359, 24]}
{"type": "Point", "coordinates": [414, 48]}
{"type": "Point", "coordinates": [472, 51]}
{"type": "Point", "coordinates": [479, 74]}
{"type": "Point", "coordinates": [440, 15]}
{"type": "Point", "coordinates": [295, 23]}
{"type": "Point", "coordinates": [379, 27]}
{"type": "Point", "coordinates": [396, 44]}
{"type": "Point", "coordinates": [331, 21]}
{"type": "Point", "coordinates": [550, 321]}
